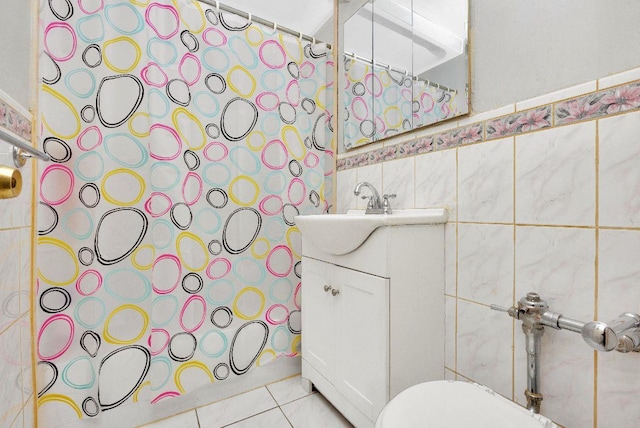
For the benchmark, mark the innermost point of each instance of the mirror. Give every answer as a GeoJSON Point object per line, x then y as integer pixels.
{"type": "Point", "coordinates": [405, 66]}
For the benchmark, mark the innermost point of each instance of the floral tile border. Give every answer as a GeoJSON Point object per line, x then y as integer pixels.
{"type": "Point", "coordinates": [620, 99]}
{"type": "Point", "coordinates": [14, 121]}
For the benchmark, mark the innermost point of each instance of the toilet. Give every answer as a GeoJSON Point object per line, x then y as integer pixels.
{"type": "Point", "coordinates": [454, 404]}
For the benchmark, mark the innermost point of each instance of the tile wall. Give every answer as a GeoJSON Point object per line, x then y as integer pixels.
{"type": "Point", "coordinates": [16, 372]}
{"type": "Point", "coordinates": [544, 196]}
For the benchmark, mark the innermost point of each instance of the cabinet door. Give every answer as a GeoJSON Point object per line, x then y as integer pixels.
{"type": "Point", "coordinates": [318, 316]}
{"type": "Point", "coordinates": [362, 339]}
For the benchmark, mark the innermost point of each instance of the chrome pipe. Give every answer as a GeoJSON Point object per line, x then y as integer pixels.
{"type": "Point", "coordinates": [17, 142]}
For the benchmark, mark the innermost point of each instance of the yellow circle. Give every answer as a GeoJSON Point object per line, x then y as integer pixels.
{"type": "Point", "coordinates": [64, 246]}
{"type": "Point", "coordinates": [112, 200]}
{"type": "Point", "coordinates": [198, 241]}
{"type": "Point", "coordinates": [385, 78]}
{"type": "Point", "coordinates": [291, 54]}
{"type": "Point", "coordinates": [135, 254]}
{"type": "Point", "coordinates": [269, 352]}
{"type": "Point", "coordinates": [190, 118]}
{"type": "Point", "coordinates": [321, 96]}
{"type": "Point", "coordinates": [183, 367]}
{"type": "Point", "coordinates": [393, 110]}
{"type": "Point", "coordinates": [199, 27]}
{"type": "Point", "coordinates": [63, 399]}
{"type": "Point", "coordinates": [239, 69]}
{"type": "Point", "coordinates": [256, 33]}
{"type": "Point", "coordinates": [135, 394]}
{"type": "Point", "coordinates": [110, 339]}
{"type": "Point", "coordinates": [140, 3]}
{"type": "Point", "coordinates": [292, 139]}
{"type": "Point", "coordinates": [131, 125]}
{"type": "Point", "coordinates": [251, 143]}
{"type": "Point", "coordinates": [255, 245]}
{"type": "Point", "coordinates": [295, 343]}
{"type": "Point", "coordinates": [237, 311]}
{"type": "Point", "coordinates": [291, 231]}
{"type": "Point", "coordinates": [249, 180]}
{"type": "Point", "coordinates": [47, 89]}
{"type": "Point", "coordinates": [123, 39]}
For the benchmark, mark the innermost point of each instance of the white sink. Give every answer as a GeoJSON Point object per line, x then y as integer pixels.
{"type": "Point", "coordinates": [342, 233]}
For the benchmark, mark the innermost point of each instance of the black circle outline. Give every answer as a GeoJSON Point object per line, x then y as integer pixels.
{"type": "Point", "coordinates": [67, 300]}
{"type": "Point", "coordinates": [224, 309]}
{"type": "Point", "coordinates": [200, 283]}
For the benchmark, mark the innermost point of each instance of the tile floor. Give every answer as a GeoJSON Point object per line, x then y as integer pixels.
{"type": "Point", "coordinates": [283, 404]}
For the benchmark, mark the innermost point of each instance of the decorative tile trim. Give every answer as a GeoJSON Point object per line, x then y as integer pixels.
{"type": "Point", "coordinates": [14, 121]}
{"type": "Point", "coordinates": [621, 99]}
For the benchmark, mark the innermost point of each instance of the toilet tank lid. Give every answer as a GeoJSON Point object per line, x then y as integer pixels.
{"type": "Point", "coordinates": [457, 404]}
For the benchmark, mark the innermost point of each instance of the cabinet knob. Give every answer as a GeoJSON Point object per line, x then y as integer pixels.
{"type": "Point", "coordinates": [327, 288]}
{"type": "Point", "coordinates": [335, 292]}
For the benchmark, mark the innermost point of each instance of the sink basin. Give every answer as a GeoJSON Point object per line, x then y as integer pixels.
{"type": "Point", "coordinates": [342, 233]}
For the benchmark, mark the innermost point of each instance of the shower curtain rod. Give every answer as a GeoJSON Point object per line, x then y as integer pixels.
{"type": "Point", "coordinates": [405, 72]}
{"type": "Point", "coordinates": [262, 21]}
{"type": "Point", "coordinates": [16, 142]}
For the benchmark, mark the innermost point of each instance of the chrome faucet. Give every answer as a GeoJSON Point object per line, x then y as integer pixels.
{"type": "Point", "coordinates": [375, 204]}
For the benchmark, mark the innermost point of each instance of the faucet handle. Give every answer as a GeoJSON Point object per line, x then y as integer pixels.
{"type": "Point", "coordinates": [386, 206]}
{"type": "Point", "coordinates": [387, 196]}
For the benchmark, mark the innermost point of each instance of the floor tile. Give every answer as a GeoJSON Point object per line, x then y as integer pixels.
{"type": "Point", "coordinates": [183, 420]}
{"type": "Point", "coordinates": [273, 418]}
{"type": "Point", "coordinates": [287, 390]}
{"type": "Point", "coordinates": [235, 408]}
{"type": "Point", "coordinates": [314, 411]}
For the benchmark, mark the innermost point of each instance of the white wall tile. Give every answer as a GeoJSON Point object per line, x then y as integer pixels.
{"type": "Point", "coordinates": [25, 270]}
{"type": "Point", "coordinates": [484, 346]}
{"type": "Point", "coordinates": [371, 174]}
{"type": "Point", "coordinates": [485, 182]}
{"type": "Point", "coordinates": [11, 375]}
{"type": "Point", "coordinates": [485, 263]}
{"type": "Point", "coordinates": [558, 264]}
{"type": "Point", "coordinates": [619, 78]}
{"type": "Point", "coordinates": [436, 181]}
{"type": "Point", "coordinates": [555, 176]}
{"type": "Point", "coordinates": [618, 390]}
{"type": "Point", "coordinates": [619, 163]}
{"type": "Point", "coordinates": [486, 115]}
{"type": "Point", "coordinates": [562, 94]}
{"type": "Point", "coordinates": [450, 259]}
{"type": "Point", "coordinates": [9, 276]}
{"type": "Point", "coordinates": [345, 199]}
{"type": "Point", "coordinates": [398, 178]}
{"type": "Point", "coordinates": [450, 332]}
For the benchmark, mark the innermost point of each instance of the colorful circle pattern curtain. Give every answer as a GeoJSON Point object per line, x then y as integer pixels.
{"type": "Point", "coordinates": [184, 141]}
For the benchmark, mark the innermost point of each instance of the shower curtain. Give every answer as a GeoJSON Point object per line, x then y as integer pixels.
{"type": "Point", "coordinates": [380, 102]}
{"type": "Point", "coordinates": [184, 142]}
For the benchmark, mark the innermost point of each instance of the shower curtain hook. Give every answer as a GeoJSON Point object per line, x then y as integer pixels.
{"type": "Point", "coordinates": [300, 37]}
{"type": "Point", "coordinates": [275, 26]}
{"type": "Point", "coordinates": [250, 18]}
{"type": "Point", "coordinates": [217, 6]}
{"type": "Point", "coordinates": [313, 40]}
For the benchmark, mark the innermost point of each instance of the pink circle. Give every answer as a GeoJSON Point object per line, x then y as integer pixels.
{"type": "Point", "coordinates": [296, 296]}
{"type": "Point", "coordinates": [173, 12]}
{"type": "Point", "coordinates": [328, 162]}
{"type": "Point", "coordinates": [276, 322]}
{"type": "Point", "coordinates": [191, 176]}
{"type": "Point", "coordinates": [175, 260]}
{"type": "Point", "coordinates": [153, 341]}
{"type": "Point", "coordinates": [89, 12]}
{"type": "Point", "coordinates": [263, 205]}
{"type": "Point", "coordinates": [81, 277]}
{"type": "Point", "coordinates": [214, 262]}
{"type": "Point", "coordinates": [168, 394]}
{"type": "Point", "coordinates": [205, 37]}
{"type": "Point", "coordinates": [407, 94]}
{"type": "Point", "coordinates": [307, 69]}
{"type": "Point", "coordinates": [381, 126]}
{"type": "Point", "coordinates": [66, 27]}
{"type": "Point", "coordinates": [358, 101]}
{"type": "Point", "coordinates": [176, 138]}
{"type": "Point", "coordinates": [65, 170]}
{"type": "Point", "coordinates": [375, 87]}
{"type": "Point", "coordinates": [193, 59]}
{"type": "Point", "coordinates": [149, 202]}
{"type": "Point", "coordinates": [225, 151]}
{"type": "Point", "coordinates": [267, 101]}
{"type": "Point", "coordinates": [287, 253]}
{"type": "Point", "coordinates": [266, 57]}
{"type": "Point", "coordinates": [274, 150]}
{"type": "Point", "coordinates": [85, 132]}
{"type": "Point", "coordinates": [144, 74]}
{"type": "Point", "coordinates": [298, 189]}
{"type": "Point", "coordinates": [57, 317]}
{"type": "Point", "coordinates": [189, 301]}
{"type": "Point", "coordinates": [293, 93]}
{"type": "Point", "coordinates": [311, 160]}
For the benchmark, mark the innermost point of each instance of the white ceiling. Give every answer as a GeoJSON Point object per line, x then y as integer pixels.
{"type": "Point", "coordinates": [307, 16]}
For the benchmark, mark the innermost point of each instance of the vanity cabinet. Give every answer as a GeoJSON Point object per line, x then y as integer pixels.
{"type": "Point", "coordinates": [373, 319]}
